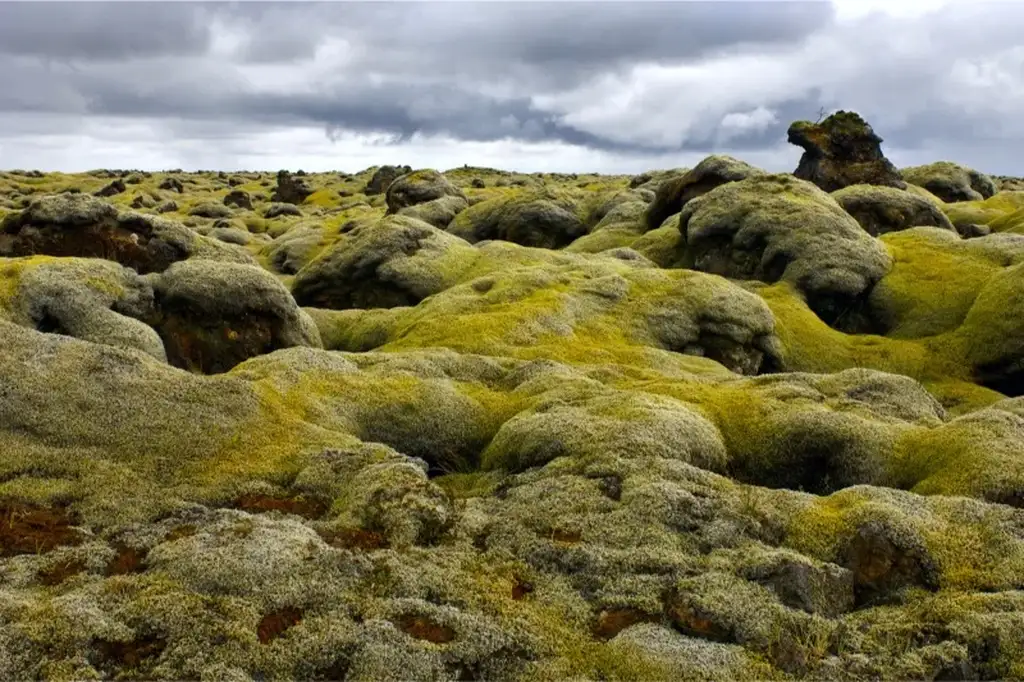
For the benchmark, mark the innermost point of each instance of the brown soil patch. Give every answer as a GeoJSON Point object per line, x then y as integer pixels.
{"type": "Point", "coordinates": [26, 529]}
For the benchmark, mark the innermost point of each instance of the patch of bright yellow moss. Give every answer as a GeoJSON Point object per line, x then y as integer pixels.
{"type": "Point", "coordinates": [1002, 212]}
{"type": "Point", "coordinates": [325, 198]}
{"type": "Point", "coordinates": [810, 345]}
{"type": "Point", "coordinates": [932, 284]}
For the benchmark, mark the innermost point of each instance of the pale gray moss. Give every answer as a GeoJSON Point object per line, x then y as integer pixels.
{"type": "Point", "coordinates": [775, 227]}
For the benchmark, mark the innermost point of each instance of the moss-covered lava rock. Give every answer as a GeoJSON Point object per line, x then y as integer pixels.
{"type": "Point", "coordinates": [951, 182]}
{"type": "Point", "coordinates": [840, 151]}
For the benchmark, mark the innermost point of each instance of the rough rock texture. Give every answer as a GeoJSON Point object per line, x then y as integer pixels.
{"type": "Point", "coordinates": [537, 218]}
{"type": "Point", "coordinates": [383, 177]}
{"type": "Point", "coordinates": [419, 187]}
{"type": "Point", "coordinates": [213, 316]}
{"type": "Point", "coordinates": [673, 193]}
{"type": "Point", "coordinates": [290, 189]}
{"type": "Point", "coordinates": [951, 182]}
{"type": "Point", "coordinates": [886, 209]}
{"type": "Point", "coordinates": [841, 151]}
{"type": "Point", "coordinates": [79, 225]}
{"type": "Point", "coordinates": [776, 227]}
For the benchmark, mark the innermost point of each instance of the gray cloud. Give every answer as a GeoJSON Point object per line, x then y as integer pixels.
{"type": "Point", "coordinates": [102, 30]}
{"type": "Point", "coordinates": [624, 78]}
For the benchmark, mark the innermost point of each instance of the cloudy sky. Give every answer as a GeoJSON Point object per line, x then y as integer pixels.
{"type": "Point", "coordinates": [553, 86]}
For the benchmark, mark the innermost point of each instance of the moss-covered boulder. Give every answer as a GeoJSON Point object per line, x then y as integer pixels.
{"type": "Point", "coordinates": [291, 251]}
{"type": "Point", "coordinates": [437, 212]}
{"type": "Point", "coordinates": [90, 299]}
{"type": "Point", "coordinates": [239, 199]}
{"type": "Point", "coordinates": [950, 181]}
{"type": "Point", "coordinates": [881, 209]}
{"type": "Point", "coordinates": [81, 226]}
{"type": "Point", "coordinates": [841, 151]}
{"type": "Point", "coordinates": [290, 189]}
{"type": "Point", "coordinates": [172, 184]}
{"type": "Point", "coordinates": [276, 210]}
{"type": "Point", "coordinates": [911, 302]}
{"type": "Point", "coordinates": [383, 177]}
{"type": "Point", "coordinates": [615, 310]}
{"type": "Point", "coordinates": [538, 218]}
{"type": "Point", "coordinates": [395, 261]}
{"type": "Point", "coordinates": [115, 187]}
{"type": "Point", "coordinates": [776, 227]}
{"type": "Point", "coordinates": [674, 193]}
{"type": "Point", "coordinates": [638, 425]}
{"type": "Point", "coordinates": [991, 332]}
{"type": "Point", "coordinates": [213, 316]}
{"type": "Point", "coordinates": [419, 187]}
{"type": "Point", "coordinates": [212, 210]}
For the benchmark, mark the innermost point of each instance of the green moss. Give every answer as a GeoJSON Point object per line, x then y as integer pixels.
{"type": "Point", "coordinates": [932, 284]}
{"type": "Point", "coordinates": [1003, 212]}
{"type": "Point", "coordinates": [324, 198]}
{"type": "Point", "coordinates": [467, 485]}
{"type": "Point", "coordinates": [809, 345]}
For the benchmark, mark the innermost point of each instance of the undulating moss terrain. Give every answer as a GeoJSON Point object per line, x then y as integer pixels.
{"type": "Point", "coordinates": [712, 423]}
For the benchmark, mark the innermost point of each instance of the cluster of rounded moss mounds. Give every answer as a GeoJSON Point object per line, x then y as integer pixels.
{"type": "Point", "coordinates": [710, 423]}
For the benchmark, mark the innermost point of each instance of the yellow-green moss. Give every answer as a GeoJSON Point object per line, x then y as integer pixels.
{"type": "Point", "coordinates": [1002, 212]}
{"type": "Point", "coordinates": [809, 345]}
{"type": "Point", "coordinates": [932, 284]}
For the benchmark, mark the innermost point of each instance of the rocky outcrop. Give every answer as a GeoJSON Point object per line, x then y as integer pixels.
{"type": "Point", "coordinates": [841, 151]}
{"type": "Point", "coordinates": [290, 189]}
{"type": "Point", "coordinates": [383, 177]}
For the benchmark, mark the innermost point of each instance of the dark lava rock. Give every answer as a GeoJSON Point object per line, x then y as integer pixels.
{"type": "Point", "coordinates": [840, 151]}
{"type": "Point", "coordinates": [291, 189]}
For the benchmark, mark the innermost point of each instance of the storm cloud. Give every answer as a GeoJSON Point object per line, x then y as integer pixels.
{"type": "Point", "coordinates": [619, 85]}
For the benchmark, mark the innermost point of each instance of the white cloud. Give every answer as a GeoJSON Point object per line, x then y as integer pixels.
{"type": "Point", "coordinates": [738, 123]}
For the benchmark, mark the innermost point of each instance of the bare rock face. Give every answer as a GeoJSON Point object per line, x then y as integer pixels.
{"type": "Point", "coordinates": [840, 151]}
{"type": "Point", "coordinates": [291, 189]}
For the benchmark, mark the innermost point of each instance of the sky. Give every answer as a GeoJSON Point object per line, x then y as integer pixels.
{"type": "Point", "coordinates": [605, 86]}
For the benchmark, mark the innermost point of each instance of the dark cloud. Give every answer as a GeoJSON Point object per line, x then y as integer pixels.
{"type": "Point", "coordinates": [102, 30]}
